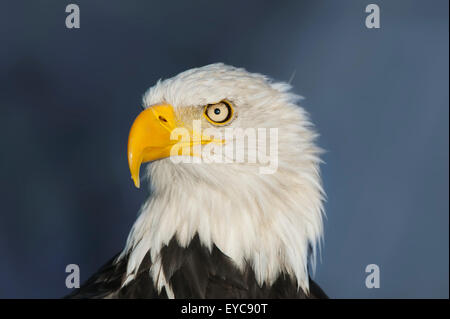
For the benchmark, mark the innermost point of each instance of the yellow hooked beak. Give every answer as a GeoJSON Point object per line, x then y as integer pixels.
{"type": "Point", "coordinates": [151, 138]}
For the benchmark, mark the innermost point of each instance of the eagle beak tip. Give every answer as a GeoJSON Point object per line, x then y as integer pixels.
{"type": "Point", "coordinates": [136, 182]}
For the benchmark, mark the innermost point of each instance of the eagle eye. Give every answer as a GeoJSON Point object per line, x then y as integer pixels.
{"type": "Point", "coordinates": [219, 113]}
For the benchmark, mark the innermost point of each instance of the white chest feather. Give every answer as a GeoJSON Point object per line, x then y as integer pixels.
{"type": "Point", "coordinates": [268, 222]}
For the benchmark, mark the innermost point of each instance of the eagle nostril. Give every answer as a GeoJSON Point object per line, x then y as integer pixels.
{"type": "Point", "coordinates": [162, 119]}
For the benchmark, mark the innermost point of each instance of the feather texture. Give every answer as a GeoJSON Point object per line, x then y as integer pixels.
{"type": "Point", "coordinates": [192, 272]}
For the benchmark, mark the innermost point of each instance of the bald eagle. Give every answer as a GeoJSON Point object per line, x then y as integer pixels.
{"type": "Point", "coordinates": [217, 226]}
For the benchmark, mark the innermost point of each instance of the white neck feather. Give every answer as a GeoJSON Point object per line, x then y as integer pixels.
{"type": "Point", "coordinates": [271, 222]}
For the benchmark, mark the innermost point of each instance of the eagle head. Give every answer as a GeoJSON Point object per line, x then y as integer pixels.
{"type": "Point", "coordinates": [231, 158]}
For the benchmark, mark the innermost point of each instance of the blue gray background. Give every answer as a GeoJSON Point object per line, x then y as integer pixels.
{"type": "Point", "coordinates": [379, 98]}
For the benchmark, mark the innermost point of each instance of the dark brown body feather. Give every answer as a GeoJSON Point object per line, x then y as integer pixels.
{"type": "Point", "coordinates": [193, 272]}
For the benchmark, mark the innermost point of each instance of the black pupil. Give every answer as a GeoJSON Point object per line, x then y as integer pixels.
{"type": "Point", "coordinates": [217, 111]}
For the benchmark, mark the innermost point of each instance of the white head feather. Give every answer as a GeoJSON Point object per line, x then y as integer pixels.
{"type": "Point", "coordinates": [272, 222]}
